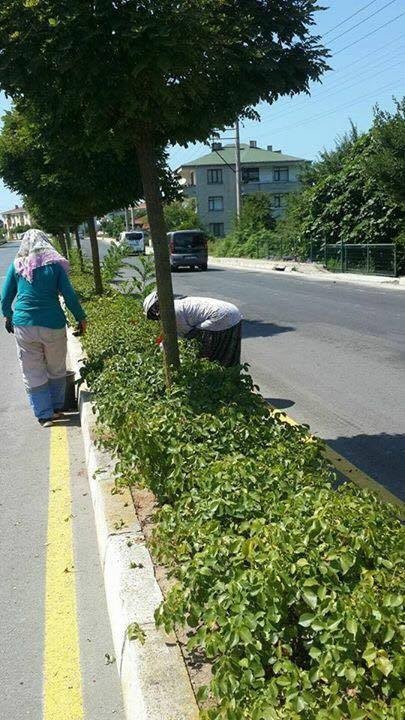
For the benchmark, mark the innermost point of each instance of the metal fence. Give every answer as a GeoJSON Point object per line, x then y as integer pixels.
{"type": "Point", "coordinates": [370, 259]}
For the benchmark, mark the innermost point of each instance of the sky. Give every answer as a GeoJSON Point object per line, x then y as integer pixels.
{"type": "Point", "coordinates": [367, 43]}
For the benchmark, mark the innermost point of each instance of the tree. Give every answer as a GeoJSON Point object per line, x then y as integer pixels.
{"type": "Point", "coordinates": [180, 215]}
{"type": "Point", "coordinates": [257, 212]}
{"type": "Point", "coordinates": [64, 188]}
{"type": "Point", "coordinates": [156, 73]}
{"type": "Point", "coordinates": [386, 162]}
{"type": "Point", "coordinates": [113, 226]}
{"type": "Point", "coordinates": [331, 161]}
{"type": "Point", "coordinates": [344, 205]}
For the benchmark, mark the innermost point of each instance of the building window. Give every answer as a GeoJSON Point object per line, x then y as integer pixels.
{"type": "Point", "coordinates": [217, 229]}
{"type": "Point", "coordinates": [280, 174]}
{"type": "Point", "coordinates": [250, 174]}
{"type": "Point", "coordinates": [216, 202]}
{"type": "Point", "coordinates": [192, 179]}
{"type": "Point", "coordinates": [214, 177]}
{"type": "Point", "coordinates": [276, 201]}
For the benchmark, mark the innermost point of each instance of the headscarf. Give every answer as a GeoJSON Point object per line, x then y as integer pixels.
{"type": "Point", "coordinates": [36, 251]}
{"type": "Point", "coordinates": [149, 304]}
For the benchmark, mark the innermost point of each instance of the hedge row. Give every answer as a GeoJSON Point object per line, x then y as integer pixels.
{"type": "Point", "coordinates": [292, 587]}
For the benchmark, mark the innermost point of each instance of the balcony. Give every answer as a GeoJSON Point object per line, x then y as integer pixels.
{"type": "Point", "coordinates": [275, 188]}
{"type": "Point", "coordinates": [190, 191]}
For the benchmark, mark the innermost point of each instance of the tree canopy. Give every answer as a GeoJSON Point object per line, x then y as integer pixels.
{"type": "Point", "coordinates": [181, 68]}
{"type": "Point", "coordinates": [156, 73]}
{"type": "Point", "coordinates": [386, 163]}
{"type": "Point", "coordinates": [181, 215]}
{"type": "Point", "coordinates": [354, 193]}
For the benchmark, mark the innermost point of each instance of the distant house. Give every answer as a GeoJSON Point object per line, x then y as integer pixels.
{"type": "Point", "coordinates": [15, 218]}
{"type": "Point", "coordinates": [210, 179]}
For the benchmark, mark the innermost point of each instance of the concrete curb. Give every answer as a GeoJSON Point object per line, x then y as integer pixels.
{"type": "Point", "coordinates": [155, 682]}
{"type": "Point", "coordinates": [266, 266]}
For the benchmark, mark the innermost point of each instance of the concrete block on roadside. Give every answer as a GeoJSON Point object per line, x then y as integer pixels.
{"type": "Point", "coordinates": [154, 678]}
{"type": "Point", "coordinates": [156, 682]}
{"type": "Point", "coordinates": [131, 588]}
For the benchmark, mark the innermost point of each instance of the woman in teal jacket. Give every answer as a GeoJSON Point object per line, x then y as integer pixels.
{"type": "Point", "coordinates": [35, 280]}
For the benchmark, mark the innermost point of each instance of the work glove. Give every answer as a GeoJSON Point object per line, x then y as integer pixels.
{"type": "Point", "coordinates": [80, 328]}
{"type": "Point", "coordinates": [9, 325]}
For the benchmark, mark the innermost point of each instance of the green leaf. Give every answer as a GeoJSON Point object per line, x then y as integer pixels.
{"type": "Point", "coordinates": [310, 598]}
{"type": "Point", "coordinates": [245, 634]}
{"type": "Point", "coordinates": [315, 652]}
{"type": "Point", "coordinates": [394, 601]}
{"type": "Point", "coordinates": [346, 563]}
{"type": "Point", "coordinates": [306, 619]}
{"type": "Point", "coordinates": [355, 712]}
{"type": "Point", "coordinates": [389, 634]}
{"type": "Point", "coordinates": [384, 665]}
{"type": "Point", "coordinates": [352, 626]}
{"type": "Point", "coordinates": [369, 654]}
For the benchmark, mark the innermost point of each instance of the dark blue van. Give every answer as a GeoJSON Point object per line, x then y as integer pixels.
{"type": "Point", "coordinates": [188, 248]}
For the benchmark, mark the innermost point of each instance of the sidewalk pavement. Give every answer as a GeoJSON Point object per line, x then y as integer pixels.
{"type": "Point", "coordinates": [307, 271]}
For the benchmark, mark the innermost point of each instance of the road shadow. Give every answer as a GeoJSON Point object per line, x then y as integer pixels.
{"type": "Point", "coordinates": [260, 328]}
{"type": "Point", "coordinates": [279, 403]}
{"type": "Point", "coordinates": [69, 419]}
{"type": "Point", "coordinates": [382, 457]}
{"type": "Point", "coordinates": [188, 270]}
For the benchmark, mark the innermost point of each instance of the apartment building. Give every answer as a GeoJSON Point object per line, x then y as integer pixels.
{"type": "Point", "coordinates": [15, 218]}
{"type": "Point", "coordinates": [211, 180]}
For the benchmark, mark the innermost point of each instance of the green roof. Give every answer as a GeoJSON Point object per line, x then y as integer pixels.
{"type": "Point", "coordinates": [248, 155]}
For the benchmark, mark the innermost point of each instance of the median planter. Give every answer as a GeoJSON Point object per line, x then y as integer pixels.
{"type": "Point", "coordinates": [291, 589]}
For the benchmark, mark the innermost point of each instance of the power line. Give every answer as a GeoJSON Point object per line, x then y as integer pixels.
{"type": "Point", "coordinates": [368, 34]}
{"type": "Point", "coordinates": [320, 116]}
{"type": "Point", "coordinates": [331, 112]}
{"type": "Point", "coordinates": [343, 22]}
{"type": "Point", "coordinates": [339, 87]}
{"type": "Point", "coordinates": [341, 83]}
{"type": "Point", "coordinates": [372, 52]}
{"type": "Point", "coordinates": [362, 21]}
{"type": "Point", "coordinates": [351, 64]}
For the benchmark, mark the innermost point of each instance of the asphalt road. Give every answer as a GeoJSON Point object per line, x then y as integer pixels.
{"type": "Point", "coordinates": [332, 355]}
{"type": "Point", "coordinates": [24, 493]}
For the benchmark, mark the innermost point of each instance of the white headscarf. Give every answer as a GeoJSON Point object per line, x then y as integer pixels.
{"type": "Point", "coordinates": [149, 301]}
{"type": "Point", "coordinates": [36, 251]}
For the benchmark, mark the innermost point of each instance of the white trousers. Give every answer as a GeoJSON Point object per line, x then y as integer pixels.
{"type": "Point", "coordinates": [42, 354]}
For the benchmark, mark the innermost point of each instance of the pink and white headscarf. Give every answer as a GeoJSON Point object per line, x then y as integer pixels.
{"type": "Point", "coordinates": [36, 251]}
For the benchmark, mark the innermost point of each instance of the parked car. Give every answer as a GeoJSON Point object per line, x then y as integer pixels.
{"type": "Point", "coordinates": [188, 248]}
{"type": "Point", "coordinates": [135, 239]}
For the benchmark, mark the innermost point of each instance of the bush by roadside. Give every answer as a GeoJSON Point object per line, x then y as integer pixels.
{"type": "Point", "coordinates": [293, 588]}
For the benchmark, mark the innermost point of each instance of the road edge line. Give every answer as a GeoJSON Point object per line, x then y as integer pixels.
{"type": "Point", "coordinates": [345, 467]}
{"type": "Point", "coordinates": [154, 678]}
{"type": "Point", "coordinates": [62, 680]}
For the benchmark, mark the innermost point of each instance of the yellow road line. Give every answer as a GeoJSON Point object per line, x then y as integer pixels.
{"type": "Point", "coordinates": [62, 676]}
{"type": "Point", "coordinates": [346, 468]}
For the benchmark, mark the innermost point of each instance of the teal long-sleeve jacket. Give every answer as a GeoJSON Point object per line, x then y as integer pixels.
{"type": "Point", "coordinates": [37, 303]}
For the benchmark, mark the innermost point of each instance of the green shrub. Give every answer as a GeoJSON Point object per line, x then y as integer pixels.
{"type": "Point", "coordinates": [292, 588]}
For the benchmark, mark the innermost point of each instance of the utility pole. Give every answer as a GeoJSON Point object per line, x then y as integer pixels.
{"type": "Point", "coordinates": [238, 171]}
{"type": "Point", "coordinates": [126, 219]}
{"type": "Point", "coordinates": [132, 217]}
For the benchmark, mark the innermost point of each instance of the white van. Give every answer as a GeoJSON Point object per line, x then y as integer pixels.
{"type": "Point", "coordinates": [135, 239]}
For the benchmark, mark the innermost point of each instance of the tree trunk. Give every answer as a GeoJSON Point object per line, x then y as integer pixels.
{"type": "Point", "coordinates": [62, 242]}
{"type": "Point", "coordinates": [95, 256]}
{"type": "Point", "coordinates": [79, 248]}
{"type": "Point", "coordinates": [153, 197]}
{"type": "Point", "coordinates": [68, 239]}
